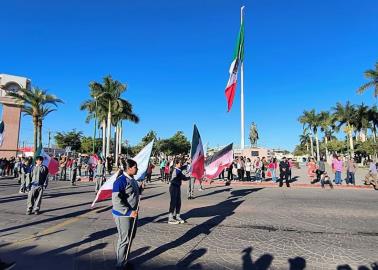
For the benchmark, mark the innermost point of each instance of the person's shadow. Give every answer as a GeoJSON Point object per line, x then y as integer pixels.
{"type": "Point", "coordinates": [262, 263]}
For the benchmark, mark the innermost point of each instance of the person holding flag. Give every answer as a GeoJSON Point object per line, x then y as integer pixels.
{"type": "Point", "coordinates": [125, 199]}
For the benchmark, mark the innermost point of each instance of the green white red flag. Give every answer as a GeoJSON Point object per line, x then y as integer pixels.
{"type": "Point", "coordinates": [236, 62]}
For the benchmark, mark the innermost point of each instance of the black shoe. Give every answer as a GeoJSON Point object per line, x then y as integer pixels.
{"type": "Point", "coordinates": [28, 212]}
{"type": "Point", "coordinates": [36, 212]}
{"type": "Point", "coordinates": [6, 266]}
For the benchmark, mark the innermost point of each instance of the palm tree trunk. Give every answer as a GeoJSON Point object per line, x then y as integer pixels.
{"type": "Point", "coordinates": [116, 142]}
{"type": "Point", "coordinates": [311, 146]}
{"type": "Point", "coordinates": [317, 146]}
{"type": "Point", "coordinates": [120, 138]}
{"type": "Point", "coordinates": [326, 147]}
{"type": "Point", "coordinates": [39, 132]}
{"type": "Point", "coordinates": [35, 123]}
{"type": "Point", "coordinates": [351, 142]}
{"type": "Point", "coordinates": [109, 123]}
{"type": "Point", "coordinates": [103, 136]}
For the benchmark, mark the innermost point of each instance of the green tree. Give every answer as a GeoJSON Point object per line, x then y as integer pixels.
{"type": "Point", "coordinates": [71, 138]}
{"type": "Point", "coordinates": [35, 103]}
{"type": "Point", "coordinates": [326, 123]}
{"type": "Point", "coordinates": [372, 76]}
{"type": "Point", "coordinates": [87, 145]}
{"type": "Point", "coordinates": [311, 120]}
{"type": "Point", "coordinates": [345, 116]}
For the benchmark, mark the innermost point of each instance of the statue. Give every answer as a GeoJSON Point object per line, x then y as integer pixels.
{"type": "Point", "coordinates": [253, 134]}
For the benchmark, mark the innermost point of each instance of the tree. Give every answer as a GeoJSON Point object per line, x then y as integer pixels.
{"type": "Point", "coordinates": [312, 121]}
{"type": "Point", "coordinates": [107, 97]}
{"type": "Point", "coordinates": [71, 139]}
{"type": "Point", "coordinates": [179, 143]}
{"type": "Point", "coordinates": [87, 145]}
{"type": "Point", "coordinates": [372, 75]}
{"type": "Point", "coordinates": [35, 103]}
{"type": "Point", "coordinates": [361, 121]}
{"type": "Point", "coordinates": [373, 118]}
{"type": "Point", "coordinates": [326, 123]}
{"type": "Point", "coordinates": [345, 116]}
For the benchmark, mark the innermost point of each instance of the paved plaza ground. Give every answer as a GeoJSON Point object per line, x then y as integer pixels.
{"type": "Point", "coordinates": [234, 227]}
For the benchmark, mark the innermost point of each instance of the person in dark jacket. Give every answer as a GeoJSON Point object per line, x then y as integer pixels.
{"type": "Point", "coordinates": [284, 172]}
{"type": "Point", "coordinates": [175, 193]}
{"type": "Point", "coordinates": [39, 180]}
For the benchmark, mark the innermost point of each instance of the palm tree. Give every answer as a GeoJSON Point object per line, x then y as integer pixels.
{"type": "Point", "coordinates": [326, 126]}
{"type": "Point", "coordinates": [373, 119]}
{"type": "Point", "coordinates": [312, 121]}
{"type": "Point", "coordinates": [108, 97]}
{"type": "Point", "coordinates": [372, 75]}
{"type": "Point", "coordinates": [361, 121]}
{"type": "Point", "coordinates": [304, 139]}
{"type": "Point", "coordinates": [345, 116]}
{"type": "Point", "coordinates": [35, 103]}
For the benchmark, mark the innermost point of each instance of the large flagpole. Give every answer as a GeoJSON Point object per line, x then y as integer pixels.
{"type": "Point", "coordinates": [242, 90]}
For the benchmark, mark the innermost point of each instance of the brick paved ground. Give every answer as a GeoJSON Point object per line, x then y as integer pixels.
{"type": "Point", "coordinates": [227, 228]}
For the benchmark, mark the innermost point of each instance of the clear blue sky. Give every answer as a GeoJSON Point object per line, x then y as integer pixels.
{"type": "Point", "coordinates": [175, 56]}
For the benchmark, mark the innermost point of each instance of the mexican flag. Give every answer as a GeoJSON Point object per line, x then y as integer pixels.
{"type": "Point", "coordinates": [49, 162]}
{"type": "Point", "coordinates": [142, 159]}
{"type": "Point", "coordinates": [218, 162]}
{"type": "Point", "coordinates": [237, 60]}
{"type": "Point", "coordinates": [197, 155]}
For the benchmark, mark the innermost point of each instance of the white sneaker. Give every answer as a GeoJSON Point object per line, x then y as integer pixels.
{"type": "Point", "coordinates": [173, 221]}
{"type": "Point", "coordinates": [180, 220]}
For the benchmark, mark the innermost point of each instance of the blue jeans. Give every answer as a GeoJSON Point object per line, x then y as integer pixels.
{"type": "Point", "coordinates": [338, 177]}
{"type": "Point", "coordinates": [350, 178]}
{"type": "Point", "coordinates": [274, 178]}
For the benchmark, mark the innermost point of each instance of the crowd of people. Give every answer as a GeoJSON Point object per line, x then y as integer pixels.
{"type": "Point", "coordinates": [317, 172]}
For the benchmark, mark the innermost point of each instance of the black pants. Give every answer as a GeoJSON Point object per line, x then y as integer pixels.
{"type": "Point", "coordinates": [284, 175]}
{"type": "Point", "coordinates": [248, 175]}
{"type": "Point", "coordinates": [229, 174]}
{"type": "Point", "coordinates": [175, 204]}
{"type": "Point", "coordinates": [319, 173]}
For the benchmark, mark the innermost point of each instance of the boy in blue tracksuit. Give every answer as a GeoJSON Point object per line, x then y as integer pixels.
{"type": "Point", "coordinates": [125, 200]}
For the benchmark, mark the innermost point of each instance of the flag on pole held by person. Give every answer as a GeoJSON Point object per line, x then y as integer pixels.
{"type": "Point", "coordinates": [93, 160]}
{"type": "Point", "coordinates": [1, 133]}
{"type": "Point", "coordinates": [49, 162]}
{"type": "Point", "coordinates": [216, 163]}
{"type": "Point", "coordinates": [236, 62]}
{"type": "Point", "coordinates": [197, 155]}
{"type": "Point", "coordinates": [142, 159]}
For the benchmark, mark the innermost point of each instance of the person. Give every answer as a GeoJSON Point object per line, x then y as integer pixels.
{"type": "Point", "coordinates": [100, 175]}
{"type": "Point", "coordinates": [351, 170]}
{"type": "Point", "coordinates": [166, 172]}
{"type": "Point", "coordinates": [264, 166]}
{"type": "Point", "coordinates": [320, 170]}
{"type": "Point", "coordinates": [372, 176]}
{"type": "Point", "coordinates": [125, 200]}
{"type": "Point", "coordinates": [325, 179]}
{"type": "Point", "coordinates": [79, 164]}
{"type": "Point", "coordinates": [291, 165]}
{"type": "Point", "coordinates": [284, 172]}
{"type": "Point", "coordinates": [73, 172]}
{"type": "Point", "coordinates": [311, 169]}
{"type": "Point", "coordinates": [248, 169]}
{"type": "Point", "coordinates": [39, 181]}
{"type": "Point", "coordinates": [272, 168]}
{"type": "Point", "coordinates": [151, 166]}
{"type": "Point", "coordinates": [25, 175]}
{"type": "Point", "coordinates": [258, 169]}
{"type": "Point", "coordinates": [190, 183]}
{"type": "Point", "coordinates": [162, 166]}
{"type": "Point", "coordinates": [63, 168]}
{"type": "Point", "coordinates": [175, 194]}
{"type": "Point", "coordinates": [337, 167]}
{"type": "Point", "coordinates": [109, 164]}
